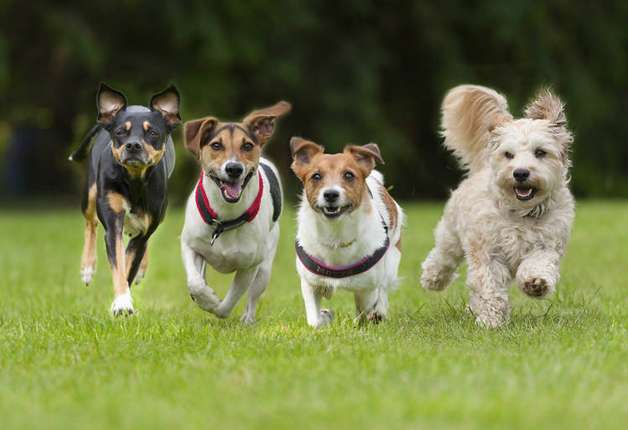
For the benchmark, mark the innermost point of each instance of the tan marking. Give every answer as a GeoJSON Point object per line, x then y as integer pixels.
{"type": "Point", "coordinates": [144, 263]}
{"type": "Point", "coordinates": [232, 141]}
{"type": "Point", "coordinates": [127, 125]}
{"type": "Point", "coordinates": [398, 244]}
{"type": "Point", "coordinates": [391, 208]}
{"type": "Point", "coordinates": [88, 258]}
{"type": "Point", "coordinates": [154, 155]}
{"type": "Point", "coordinates": [120, 285]}
{"type": "Point", "coordinates": [146, 125]}
{"type": "Point", "coordinates": [117, 202]}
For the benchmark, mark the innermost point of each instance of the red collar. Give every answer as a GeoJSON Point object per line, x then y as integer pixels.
{"type": "Point", "coordinates": [210, 216]}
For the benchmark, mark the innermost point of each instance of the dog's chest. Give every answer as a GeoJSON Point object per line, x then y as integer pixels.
{"type": "Point", "coordinates": [136, 223]}
{"type": "Point", "coordinates": [516, 241]}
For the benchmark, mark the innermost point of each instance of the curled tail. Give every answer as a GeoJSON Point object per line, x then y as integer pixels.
{"type": "Point", "coordinates": [80, 153]}
{"type": "Point", "coordinates": [469, 115]}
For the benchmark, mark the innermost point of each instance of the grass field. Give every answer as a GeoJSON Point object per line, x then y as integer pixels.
{"type": "Point", "coordinates": [65, 363]}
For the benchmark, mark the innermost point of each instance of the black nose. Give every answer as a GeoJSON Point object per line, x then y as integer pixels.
{"type": "Point", "coordinates": [331, 196]}
{"type": "Point", "coordinates": [521, 174]}
{"type": "Point", "coordinates": [234, 170]}
{"type": "Point", "coordinates": [133, 147]}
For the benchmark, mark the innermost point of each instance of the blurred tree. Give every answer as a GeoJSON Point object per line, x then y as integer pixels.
{"type": "Point", "coordinates": [356, 71]}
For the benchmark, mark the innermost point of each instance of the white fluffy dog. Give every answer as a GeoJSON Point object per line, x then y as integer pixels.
{"type": "Point", "coordinates": [512, 216]}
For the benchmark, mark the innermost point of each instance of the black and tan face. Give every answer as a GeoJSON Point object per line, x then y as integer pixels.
{"type": "Point", "coordinates": [334, 184]}
{"type": "Point", "coordinates": [229, 152]}
{"type": "Point", "coordinates": [138, 134]}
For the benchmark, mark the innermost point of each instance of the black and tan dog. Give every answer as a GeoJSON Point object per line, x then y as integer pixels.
{"type": "Point", "coordinates": [129, 164]}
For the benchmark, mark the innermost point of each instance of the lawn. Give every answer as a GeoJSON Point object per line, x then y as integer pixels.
{"type": "Point", "coordinates": [65, 363]}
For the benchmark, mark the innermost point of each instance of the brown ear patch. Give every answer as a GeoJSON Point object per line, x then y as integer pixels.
{"type": "Point", "coordinates": [303, 151]}
{"type": "Point", "coordinates": [367, 156]}
{"type": "Point", "coordinates": [195, 131]}
{"type": "Point", "coordinates": [261, 122]}
{"type": "Point", "coordinates": [167, 103]}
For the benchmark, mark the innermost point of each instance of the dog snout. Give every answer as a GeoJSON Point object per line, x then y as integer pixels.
{"type": "Point", "coordinates": [133, 147]}
{"type": "Point", "coordinates": [234, 170]}
{"type": "Point", "coordinates": [331, 196]}
{"type": "Point", "coordinates": [521, 175]}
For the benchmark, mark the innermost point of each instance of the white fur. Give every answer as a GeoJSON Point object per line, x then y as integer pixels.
{"type": "Point", "coordinates": [327, 240]}
{"type": "Point", "coordinates": [248, 251]}
{"type": "Point", "coordinates": [501, 237]}
{"type": "Point", "coordinates": [122, 304]}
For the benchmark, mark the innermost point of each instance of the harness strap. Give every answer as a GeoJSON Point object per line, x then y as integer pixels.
{"type": "Point", "coordinates": [209, 215]}
{"type": "Point", "coordinates": [275, 190]}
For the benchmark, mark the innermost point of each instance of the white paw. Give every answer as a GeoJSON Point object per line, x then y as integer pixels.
{"type": "Point", "coordinates": [87, 273]}
{"type": "Point", "coordinates": [325, 317]}
{"type": "Point", "coordinates": [434, 279]}
{"type": "Point", "coordinates": [247, 319]}
{"type": "Point", "coordinates": [122, 305]}
{"type": "Point", "coordinates": [204, 297]}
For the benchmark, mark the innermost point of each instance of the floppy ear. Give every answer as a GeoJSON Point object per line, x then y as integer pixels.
{"type": "Point", "coordinates": [167, 103]}
{"type": "Point", "coordinates": [549, 107]}
{"type": "Point", "coordinates": [261, 122]}
{"type": "Point", "coordinates": [302, 152]}
{"type": "Point", "coordinates": [108, 102]}
{"type": "Point", "coordinates": [195, 131]}
{"type": "Point", "coordinates": [367, 156]}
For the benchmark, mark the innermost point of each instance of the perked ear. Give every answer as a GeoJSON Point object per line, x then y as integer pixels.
{"type": "Point", "coordinates": [108, 102]}
{"type": "Point", "coordinates": [167, 103]}
{"type": "Point", "coordinates": [302, 152]}
{"type": "Point", "coordinates": [367, 156]}
{"type": "Point", "coordinates": [194, 132]}
{"type": "Point", "coordinates": [261, 122]}
{"type": "Point", "coordinates": [549, 107]}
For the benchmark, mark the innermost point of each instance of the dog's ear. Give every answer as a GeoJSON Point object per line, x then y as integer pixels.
{"type": "Point", "coordinates": [302, 152]}
{"type": "Point", "coordinates": [549, 107]}
{"type": "Point", "coordinates": [367, 156]}
{"type": "Point", "coordinates": [108, 102]}
{"type": "Point", "coordinates": [167, 103]}
{"type": "Point", "coordinates": [195, 133]}
{"type": "Point", "coordinates": [261, 122]}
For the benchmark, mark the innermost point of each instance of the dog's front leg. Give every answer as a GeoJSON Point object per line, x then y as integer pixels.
{"type": "Point", "coordinates": [538, 273]}
{"type": "Point", "coordinates": [488, 280]}
{"type": "Point", "coordinates": [122, 303]}
{"type": "Point", "coordinates": [241, 282]}
{"type": "Point", "coordinates": [371, 305]}
{"type": "Point", "coordinates": [135, 253]}
{"type": "Point", "coordinates": [202, 295]}
{"type": "Point", "coordinates": [316, 317]}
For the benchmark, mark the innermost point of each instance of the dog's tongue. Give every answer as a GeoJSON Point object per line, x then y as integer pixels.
{"type": "Point", "coordinates": [232, 190]}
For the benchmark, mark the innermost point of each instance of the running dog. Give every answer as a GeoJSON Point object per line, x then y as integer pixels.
{"type": "Point", "coordinates": [127, 173]}
{"type": "Point", "coordinates": [512, 216]}
{"type": "Point", "coordinates": [349, 230]}
{"type": "Point", "coordinates": [231, 217]}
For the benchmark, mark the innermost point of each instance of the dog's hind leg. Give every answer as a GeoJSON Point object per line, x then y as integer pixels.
{"type": "Point", "coordinates": [488, 280]}
{"type": "Point", "coordinates": [241, 282]}
{"type": "Point", "coordinates": [194, 265]}
{"type": "Point", "coordinates": [88, 259]}
{"type": "Point", "coordinates": [439, 268]}
{"type": "Point", "coordinates": [371, 305]}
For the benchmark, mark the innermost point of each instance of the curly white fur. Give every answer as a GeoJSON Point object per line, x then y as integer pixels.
{"type": "Point", "coordinates": [502, 236]}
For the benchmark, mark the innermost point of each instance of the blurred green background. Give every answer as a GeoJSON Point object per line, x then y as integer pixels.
{"type": "Point", "coordinates": [356, 71]}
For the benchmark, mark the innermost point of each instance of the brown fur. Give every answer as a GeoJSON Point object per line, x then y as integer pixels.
{"type": "Point", "coordinates": [120, 284]}
{"type": "Point", "coordinates": [91, 223]}
{"type": "Point", "coordinates": [117, 202]}
{"type": "Point", "coordinates": [233, 140]}
{"type": "Point", "coordinates": [391, 208]}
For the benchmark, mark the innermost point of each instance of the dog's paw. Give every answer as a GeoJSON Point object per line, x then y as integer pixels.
{"type": "Point", "coordinates": [434, 279]}
{"type": "Point", "coordinates": [375, 317]}
{"type": "Point", "coordinates": [536, 287]}
{"type": "Point", "coordinates": [87, 273]}
{"type": "Point", "coordinates": [247, 319]}
{"type": "Point", "coordinates": [204, 297]}
{"type": "Point", "coordinates": [490, 321]}
{"type": "Point", "coordinates": [122, 305]}
{"type": "Point", "coordinates": [325, 316]}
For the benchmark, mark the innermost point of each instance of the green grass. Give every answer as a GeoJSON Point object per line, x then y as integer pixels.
{"type": "Point", "coordinates": [65, 363]}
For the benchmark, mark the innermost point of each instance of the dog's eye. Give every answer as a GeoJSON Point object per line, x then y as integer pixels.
{"type": "Point", "coordinates": [152, 132]}
{"type": "Point", "coordinates": [316, 177]}
{"type": "Point", "coordinates": [120, 132]}
{"type": "Point", "coordinates": [509, 155]}
{"type": "Point", "coordinates": [349, 176]}
{"type": "Point", "coordinates": [539, 153]}
{"type": "Point", "coordinates": [216, 146]}
{"type": "Point", "coordinates": [247, 146]}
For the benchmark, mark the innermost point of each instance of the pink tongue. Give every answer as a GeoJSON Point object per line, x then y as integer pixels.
{"type": "Point", "coordinates": [232, 190]}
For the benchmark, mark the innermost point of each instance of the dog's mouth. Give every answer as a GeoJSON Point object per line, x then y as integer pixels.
{"type": "Point", "coordinates": [334, 211]}
{"type": "Point", "coordinates": [524, 192]}
{"type": "Point", "coordinates": [231, 191]}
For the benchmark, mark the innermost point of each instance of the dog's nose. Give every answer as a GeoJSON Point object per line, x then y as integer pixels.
{"type": "Point", "coordinates": [521, 175]}
{"type": "Point", "coordinates": [234, 170]}
{"type": "Point", "coordinates": [331, 196]}
{"type": "Point", "coordinates": [133, 147]}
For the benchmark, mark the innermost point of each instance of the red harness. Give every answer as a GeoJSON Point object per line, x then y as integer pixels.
{"type": "Point", "coordinates": [210, 216]}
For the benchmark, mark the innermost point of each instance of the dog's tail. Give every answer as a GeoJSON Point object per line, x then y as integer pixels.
{"type": "Point", "coordinates": [470, 114]}
{"type": "Point", "coordinates": [80, 153]}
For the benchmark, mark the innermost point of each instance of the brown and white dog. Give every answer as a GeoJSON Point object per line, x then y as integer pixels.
{"type": "Point", "coordinates": [231, 218]}
{"type": "Point", "coordinates": [349, 230]}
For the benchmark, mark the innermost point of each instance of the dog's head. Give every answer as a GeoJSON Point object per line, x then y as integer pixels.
{"type": "Point", "coordinates": [334, 184]}
{"type": "Point", "coordinates": [229, 152]}
{"type": "Point", "coordinates": [138, 134]}
{"type": "Point", "coordinates": [530, 156]}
